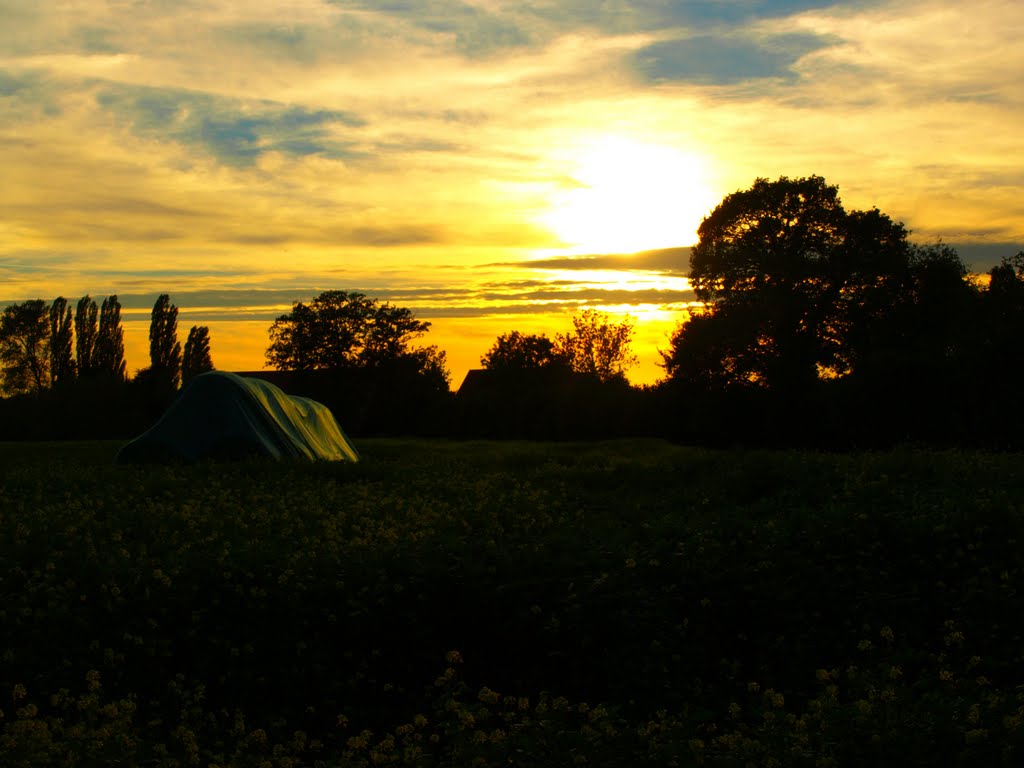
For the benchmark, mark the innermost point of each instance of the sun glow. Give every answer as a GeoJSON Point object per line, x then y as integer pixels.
{"type": "Point", "coordinates": [628, 196]}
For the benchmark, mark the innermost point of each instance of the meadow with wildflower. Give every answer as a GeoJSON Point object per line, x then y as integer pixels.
{"type": "Point", "coordinates": [626, 603]}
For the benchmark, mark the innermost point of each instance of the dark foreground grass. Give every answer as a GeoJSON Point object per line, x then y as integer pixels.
{"type": "Point", "coordinates": [627, 604]}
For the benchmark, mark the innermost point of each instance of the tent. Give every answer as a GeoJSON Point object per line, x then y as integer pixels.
{"type": "Point", "coordinates": [221, 415]}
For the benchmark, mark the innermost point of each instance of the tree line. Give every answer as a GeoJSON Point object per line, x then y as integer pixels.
{"type": "Point", "coordinates": [823, 324]}
{"type": "Point", "coordinates": [814, 325]}
{"type": "Point", "coordinates": [820, 326]}
{"type": "Point", "coordinates": [342, 330]}
{"type": "Point", "coordinates": [48, 346]}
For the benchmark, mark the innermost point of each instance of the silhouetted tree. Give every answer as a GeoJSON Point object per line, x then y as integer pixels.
{"type": "Point", "coordinates": [598, 346]}
{"type": "Point", "coordinates": [790, 282]}
{"type": "Point", "coordinates": [430, 363]}
{"type": "Point", "coordinates": [24, 352]}
{"type": "Point", "coordinates": [516, 351]}
{"type": "Point", "coordinates": [62, 363]}
{"type": "Point", "coordinates": [108, 353]}
{"type": "Point", "coordinates": [345, 330]}
{"type": "Point", "coordinates": [86, 331]}
{"type": "Point", "coordinates": [1005, 304]}
{"type": "Point", "coordinates": [1006, 280]}
{"type": "Point", "coordinates": [197, 358]}
{"type": "Point", "coordinates": [1002, 363]}
{"type": "Point", "coordinates": [164, 347]}
{"type": "Point", "coordinates": [711, 351]}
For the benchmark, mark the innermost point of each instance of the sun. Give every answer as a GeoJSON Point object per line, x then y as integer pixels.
{"type": "Point", "coordinates": [627, 195]}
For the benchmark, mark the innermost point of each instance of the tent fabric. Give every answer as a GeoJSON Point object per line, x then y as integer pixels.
{"type": "Point", "coordinates": [221, 415]}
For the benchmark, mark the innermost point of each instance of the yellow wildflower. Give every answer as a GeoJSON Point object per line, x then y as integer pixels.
{"type": "Point", "coordinates": [488, 696]}
{"type": "Point", "coordinates": [356, 742]}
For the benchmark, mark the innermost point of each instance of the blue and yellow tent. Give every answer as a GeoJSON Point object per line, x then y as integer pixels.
{"type": "Point", "coordinates": [222, 415]}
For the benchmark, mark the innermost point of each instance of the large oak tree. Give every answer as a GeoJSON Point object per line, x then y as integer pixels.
{"type": "Point", "coordinates": [792, 286]}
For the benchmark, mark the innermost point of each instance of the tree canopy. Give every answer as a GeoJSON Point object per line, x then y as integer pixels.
{"type": "Point", "coordinates": [108, 353]}
{"type": "Point", "coordinates": [62, 342]}
{"type": "Point", "coordinates": [792, 286]}
{"type": "Point", "coordinates": [597, 346]}
{"type": "Point", "coordinates": [24, 351]}
{"type": "Point", "coordinates": [164, 347]}
{"type": "Point", "coordinates": [196, 358]}
{"type": "Point", "coordinates": [515, 351]}
{"type": "Point", "coordinates": [339, 329]}
{"type": "Point", "coordinates": [86, 331]}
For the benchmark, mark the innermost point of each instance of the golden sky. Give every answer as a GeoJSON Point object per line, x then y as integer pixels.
{"type": "Point", "coordinates": [490, 165]}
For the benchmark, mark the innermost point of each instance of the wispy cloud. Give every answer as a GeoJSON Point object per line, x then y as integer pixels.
{"type": "Point", "coordinates": [674, 261]}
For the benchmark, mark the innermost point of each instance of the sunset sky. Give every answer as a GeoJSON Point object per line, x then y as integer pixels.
{"type": "Point", "coordinates": [490, 165]}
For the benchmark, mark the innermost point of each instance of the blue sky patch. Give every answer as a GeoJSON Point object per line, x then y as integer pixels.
{"type": "Point", "coordinates": [652, 15]}
{"type": "Point", "coordinates": [234, 132]}
{"type": "Point", "coordinates": [723, 60]}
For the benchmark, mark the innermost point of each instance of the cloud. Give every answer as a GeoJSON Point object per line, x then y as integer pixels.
{"type": "Point", "coordinates": [233, 131]}
{"type": "Point", "coordinates": [471, 29]}
{"type": "Point", "coordinates": [625, 18]}
{"type": "Point", "coordinates": [675, 261]}
{"type": "Point", "coordinates": [724, 60]}
{"type": "Point", "coordinates": [266, 304]}
{"type": "Point", "coordinates": [15, 84]}
{"type": "Point", "coordinates": [29, 95]}
{"type": "Point", "coordinates": [286, 140]}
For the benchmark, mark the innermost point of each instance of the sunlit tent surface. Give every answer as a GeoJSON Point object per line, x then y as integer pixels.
{"type": "Point", "coordinates": [222, 415]}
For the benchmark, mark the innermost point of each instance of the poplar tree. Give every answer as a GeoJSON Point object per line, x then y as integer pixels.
{"type": "Point", "coordinates": [86, 331]}
{"type": "Point", "coordinates": [164, 347]}
{"type": "Point", "coordinates": [62, 364]}
{"type": "Point", "coordinates": [108, 354]}
{"type": "Point", "coordinates": [197, 358]}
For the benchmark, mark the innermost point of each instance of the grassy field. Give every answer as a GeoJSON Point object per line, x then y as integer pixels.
{"type": "Point", "coordinates": [627, 603]}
